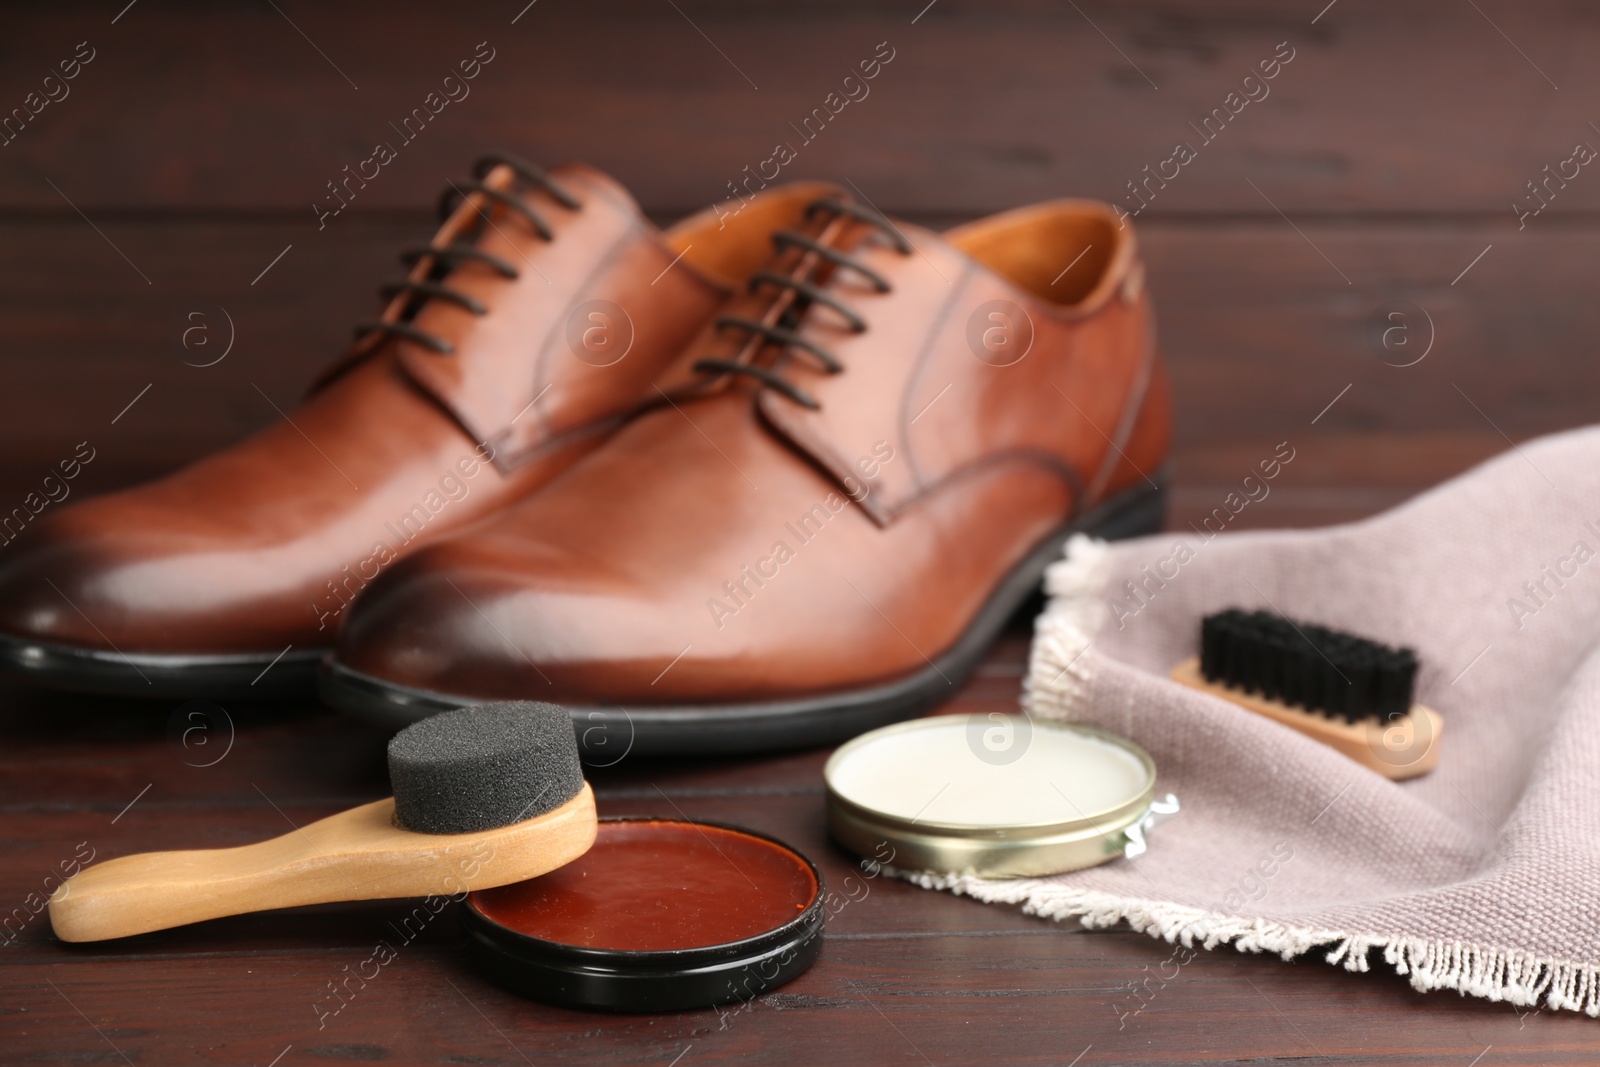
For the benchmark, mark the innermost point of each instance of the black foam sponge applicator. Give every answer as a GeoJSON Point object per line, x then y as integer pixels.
{"type": "Point", "coordinates": [483, 767]}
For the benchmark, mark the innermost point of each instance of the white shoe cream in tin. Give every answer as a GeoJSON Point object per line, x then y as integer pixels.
{"type": "Point", "coordinates": [996, 795]}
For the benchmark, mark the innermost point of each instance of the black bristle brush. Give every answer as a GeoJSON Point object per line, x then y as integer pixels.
{"type": "Point", "coordinates": [1348, 692]}
{"type": "Point", "coordinates": [483, 797]}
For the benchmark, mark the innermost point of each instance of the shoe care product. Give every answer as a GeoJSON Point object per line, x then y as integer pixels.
{"type": "Point", "coordinates": [1352, 694]}
{"type": "Point", "coordinates": [660, 915]}
{"type": "Point", "coordinates": [999, 795]}
{"type": "Point", "coordinates": [482, 796]}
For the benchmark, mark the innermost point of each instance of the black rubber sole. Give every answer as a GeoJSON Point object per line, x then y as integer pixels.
{"type": "Point", "coordinates": [607, 734]}
{"type": "Point", "coordinates": [179, 676]}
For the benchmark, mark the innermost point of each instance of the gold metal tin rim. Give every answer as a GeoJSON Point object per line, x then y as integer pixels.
{"type": "Point", "coordinates": [1017, 850]}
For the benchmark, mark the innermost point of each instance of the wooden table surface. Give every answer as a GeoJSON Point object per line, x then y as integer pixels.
{"type": "Point", "coordinates": [177, 177]}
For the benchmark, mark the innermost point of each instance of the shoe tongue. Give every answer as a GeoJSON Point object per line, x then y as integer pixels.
{"type": "Point", "coordinates": [547, 357]}
{"type": "Point", "coordinates": [843, 260]}
{"type": "Point", "coordinates": [770, 303]}
{"type": "Point", "coordinates": [614, 192]}
{"type": "Point", "coordinates": [863, 413]}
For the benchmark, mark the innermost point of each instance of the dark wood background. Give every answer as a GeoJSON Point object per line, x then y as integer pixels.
{"type": "Point", "coordinates": [1382, 165]}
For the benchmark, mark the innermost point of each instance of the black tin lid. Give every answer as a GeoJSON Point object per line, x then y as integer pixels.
{"type": "Point", "coordinates": [657, 980]}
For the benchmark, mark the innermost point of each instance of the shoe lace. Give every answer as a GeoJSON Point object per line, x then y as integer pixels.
{"type": "Point", "coordinates": [807, 292]}
{"type": "Point", "coordinates": [445, 258]}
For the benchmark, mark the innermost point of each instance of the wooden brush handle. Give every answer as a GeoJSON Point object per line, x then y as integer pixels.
{"type": "Point", "coordinates": [1405, 748]}
{"type": "Point", "coordinates": [355, 855]}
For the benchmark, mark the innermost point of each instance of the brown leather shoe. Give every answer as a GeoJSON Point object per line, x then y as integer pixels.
{"type": "Point", "coordinates": [892, 434]}
{"type": "Point", "coordinates": [531, 326]}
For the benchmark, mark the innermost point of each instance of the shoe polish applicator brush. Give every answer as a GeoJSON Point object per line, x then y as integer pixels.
{"type": "Point", "coordinates": [483, 797]}
{"type": "Point", "coordinates": [1352, 694]}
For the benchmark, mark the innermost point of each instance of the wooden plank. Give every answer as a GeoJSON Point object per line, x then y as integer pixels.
{"type": "Point", "coordinates": [965, 982]}
{"type": "Point", "coordinates": [983, 106]}
{"type": "Point", "coordinates": [1036, 996]}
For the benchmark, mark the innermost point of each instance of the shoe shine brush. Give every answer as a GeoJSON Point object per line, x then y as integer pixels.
{"type": "Point", "coordinates": [1352, 694]}
{"type": "Point", "coordinates": [483, 797]}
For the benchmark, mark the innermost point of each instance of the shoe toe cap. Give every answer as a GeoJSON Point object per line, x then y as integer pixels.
{"type": "Point", "coordinates": [95, 577]}
{"type": "Point", "coordinates": [60, 586]}
{"type": "Point", "coordinates": [469, 628]}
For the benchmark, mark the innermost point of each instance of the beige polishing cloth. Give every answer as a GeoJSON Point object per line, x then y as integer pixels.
{"type": "Point", "coordinates": [1484, 876]}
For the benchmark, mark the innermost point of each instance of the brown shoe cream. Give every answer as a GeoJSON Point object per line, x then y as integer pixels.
{"type": "Point", "coordinates": [535, 321]}
{"type": "Point", "coordinates": [884, 442]}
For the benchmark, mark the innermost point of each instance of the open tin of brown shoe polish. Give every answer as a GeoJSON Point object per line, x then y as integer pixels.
{"type": "Point", "coordinates": [995, 795]}
{"type": "Point", "coordinates": [659, 915]}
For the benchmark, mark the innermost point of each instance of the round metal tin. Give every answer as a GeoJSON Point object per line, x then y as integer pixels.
{"type": "Point", "coordinates": [1057, 835]}
{"type": "Point", "coordinates": [650, 980]}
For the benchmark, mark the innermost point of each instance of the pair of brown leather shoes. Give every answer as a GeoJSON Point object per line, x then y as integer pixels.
{"type": "Point", "coordinates": [767, 478]}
